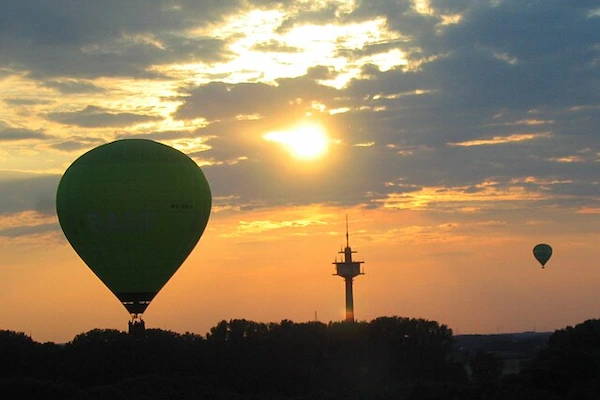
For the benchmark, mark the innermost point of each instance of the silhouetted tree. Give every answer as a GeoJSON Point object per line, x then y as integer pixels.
{"type": "Point", "coordinates": [16, 353]}
{"type": "Point", "coordinates": [219, 332]}
{"type": "Point", "coordinates": [411, 347]}
{"type": "Point", "coordinates": [570, 366]}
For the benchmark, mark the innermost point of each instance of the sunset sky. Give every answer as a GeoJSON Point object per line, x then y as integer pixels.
{"type": "Point", "coordinates": [455, 134]}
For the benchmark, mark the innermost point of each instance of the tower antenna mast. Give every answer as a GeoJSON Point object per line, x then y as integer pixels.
{"type": "Point", "coordinates": [347, 236]}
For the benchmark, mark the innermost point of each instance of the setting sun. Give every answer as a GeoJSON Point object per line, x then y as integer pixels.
{"type": "Point", "coordinates": [305, 142]}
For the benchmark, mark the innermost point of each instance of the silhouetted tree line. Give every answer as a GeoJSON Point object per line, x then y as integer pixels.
{"type": "Point", "coordinates": [569, 368]}
{"type": "Point", "coordinates": [387, 358]}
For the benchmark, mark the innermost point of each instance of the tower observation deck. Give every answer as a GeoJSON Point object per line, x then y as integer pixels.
{"type": "Point", "coordinates": [348, 269]}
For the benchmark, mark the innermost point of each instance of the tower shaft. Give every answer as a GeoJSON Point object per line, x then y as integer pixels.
{"type": "Point", "coordinates": [349, 300]}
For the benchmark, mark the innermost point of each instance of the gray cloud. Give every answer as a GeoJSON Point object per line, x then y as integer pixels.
{"type": "Point", "coordinates": [10, 134]}
{"type": "Point", "coordinates": [218, 100]}
{"type": "Point", "coordinates": [275, 46]}
{"type": "Point", "coordinates": [19, 231]}
{"type": "Point", "coordinates": [77, 143]}
{"type": "Point", "coordinates": [529, 30]}
{"type": "Point", "coordinates": [326, 14]}
{"type": "Point", "coordinates": [73, 86]}
{"type": "Point", "coordinates": [19, 101]}
{"type": "Point", "coordinates": [21, 191]}
{"type": "Point", "coordinates": [451, 7]}
{"type": "Point", "coordinates": [106, 38]}
{"type": "Point", "coordinates": [159, 136]}
{"type": "Point", "coordinates": [94, 117]}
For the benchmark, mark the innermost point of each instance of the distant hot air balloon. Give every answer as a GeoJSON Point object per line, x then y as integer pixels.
{"type": "Point", "coordinates": [133, 210]}
{"type": "Point", "coordinates": [542, 252]}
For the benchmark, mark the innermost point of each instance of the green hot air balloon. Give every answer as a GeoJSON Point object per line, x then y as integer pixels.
{"type": "Point", "coordinates": [542, 252]}
{"type": "Point", "coordinates": [133, 210]}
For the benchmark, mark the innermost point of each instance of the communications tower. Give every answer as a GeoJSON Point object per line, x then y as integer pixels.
{"type": "Point", "coordinates": [348, 269]}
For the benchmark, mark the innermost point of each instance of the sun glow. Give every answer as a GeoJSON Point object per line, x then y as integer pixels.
{"type": "Point", "coordinates": [306, 142]}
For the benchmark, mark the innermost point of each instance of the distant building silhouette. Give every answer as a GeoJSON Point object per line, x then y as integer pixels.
{"type": "Point", "coordinates": [348, 269]}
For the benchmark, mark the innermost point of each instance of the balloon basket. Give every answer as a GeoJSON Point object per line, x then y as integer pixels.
{"type": "Point", "coordinates": [137, 326]}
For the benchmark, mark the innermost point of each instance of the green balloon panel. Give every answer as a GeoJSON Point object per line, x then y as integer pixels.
{"type": "Point", "coordinates": [133, 210]}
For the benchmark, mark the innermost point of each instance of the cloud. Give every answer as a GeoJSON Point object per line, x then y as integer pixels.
{"type": "Point", "coordinates": [11, 134]}
{"type": "Point", "coordinates": [73, 86]}
{"type": "Point", "coordinates": [160, 135]}
{"type": "Point", "coordinates": [107, 38]}
{"type": "Point", "coordinates": [77, 143]}
{"type": "Point", "coordinates": [23, 231]}
{"type": "Point", "coordinates": [95, 117]}
{"type": "Point", "coordinates": [25, 101]}
{"type": "Point", "coordinates": [502, 139]}
{"type": "Point", "coordinates": [315, 13]}
{"type": "Point", "coordinates": [275, 46]}
{"type": "Point", "coordinates": [20, 191]}
{"type": "Point", "coordinates": [255, 227]}
{"type": "Point", "coordinates": [517, 28]}
{"type": "Point", "coordinates": [478, 197]}
{"type": "Point", "coordinates": [221, 101]}
{"type": "Point", "coordinates": [26, 223]}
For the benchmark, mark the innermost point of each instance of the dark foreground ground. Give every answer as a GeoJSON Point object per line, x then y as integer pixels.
{"type": "Point", "coordinates": [387, 358]}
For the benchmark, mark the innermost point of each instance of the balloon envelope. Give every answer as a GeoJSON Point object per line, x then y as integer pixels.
{"type": "Point", "coordinates": [133, 210]}
{"type": "Point", "coordinates": [542, 252]}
